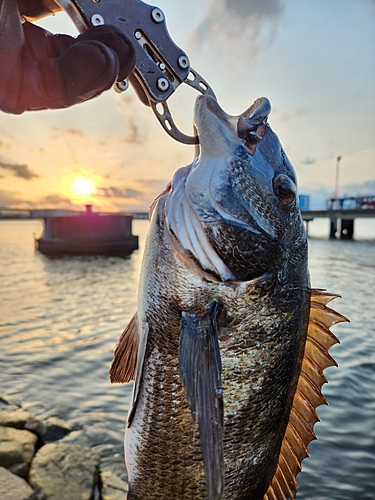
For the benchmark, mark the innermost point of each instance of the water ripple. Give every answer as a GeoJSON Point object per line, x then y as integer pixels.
{"type": "Point", "coordinates": [60, 319]}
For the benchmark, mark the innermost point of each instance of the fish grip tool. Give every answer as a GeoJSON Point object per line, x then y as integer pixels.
{"type": "Point", "coordinates": [160, 67]}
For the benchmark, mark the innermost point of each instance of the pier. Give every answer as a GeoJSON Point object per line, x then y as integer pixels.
{"type": "Point", "coordinates": [342, 213]}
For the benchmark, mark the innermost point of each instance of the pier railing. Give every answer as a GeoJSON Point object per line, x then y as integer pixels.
{"type": "Point", "coordinates": [342, 213]}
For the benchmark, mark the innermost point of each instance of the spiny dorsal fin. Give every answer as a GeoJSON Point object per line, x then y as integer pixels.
{"type": "Point", "coordinates": [124, 362]}
{"type": "Point", "coordinates": [320, 296]}
{"type": "Point", "coordinates": [299, 432]}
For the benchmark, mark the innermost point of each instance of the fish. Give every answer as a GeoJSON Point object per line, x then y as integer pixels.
{"type": "Point", "coordinates": [229, 342]}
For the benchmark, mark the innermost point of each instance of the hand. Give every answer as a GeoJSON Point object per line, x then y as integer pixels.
{"type": "Point", "coordinates": [40, 70]}
{"type": "Point", "coordinates": [94, 61]}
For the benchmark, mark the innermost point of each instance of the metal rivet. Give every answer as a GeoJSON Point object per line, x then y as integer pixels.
{"type": "Point", "coordinates": [122, 86]}
{"type": "Point", "coordinates": [183, 62]}
{"type": "Point", "coordinates": [163, 84]}
{"type": "Point", "coordinates": [97, 20]}
{"type": "Point", "coordinates": [162, 66]}
{"type": "Point", "coordinates": [157, 15]}
{"type": "Point", "coordinates": [138, 35]}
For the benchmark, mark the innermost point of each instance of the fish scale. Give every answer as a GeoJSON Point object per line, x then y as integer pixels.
{"type": "Point", "coordinates": [254, 415]}
{"type": "Point", "coordinates": [263, 412]}
{"type": "Point", "coordinates": [162, 409]}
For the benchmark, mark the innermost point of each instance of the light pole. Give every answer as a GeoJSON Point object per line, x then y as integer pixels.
{"type": "Point", "coordinates": [337, 182]}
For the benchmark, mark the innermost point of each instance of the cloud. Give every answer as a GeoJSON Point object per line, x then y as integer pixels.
{"type": "Point", "coordinates": [22, 171]}
{"type": "Point", "coordinates": [284, 116]}
{"type": "Point", "coordinates": [252, 23]}
{"type": "Point", "coordinates": [113, 192]}
{"type": "Point", "coordinates": [153, 187]}
{"type": "Point", "coordinates": [74, 131]}
{"type": "Point", "coordinates": [134, 137]}
{"type": "Point", "coordinates": [309, 161]}
{"type": "Point", "coordinates": [366, 188]}
{"type": "Point", "coordinates": [62, 133]}
{"type": "Point", "coordinates": [55, 200]}
{"type": "Point", "coordinates": [153, 183]}
{"type": "Point", "coordinates": [9, 198]}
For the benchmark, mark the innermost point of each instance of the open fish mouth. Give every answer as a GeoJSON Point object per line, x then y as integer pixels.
{"type": "Point", "coordinates": [248, 128]}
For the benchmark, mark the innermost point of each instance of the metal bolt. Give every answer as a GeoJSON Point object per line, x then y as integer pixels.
{"type": "Point", "coordinates": [97, 20]}
{"type": "Point", "coordinates": [122, 86]}
{"type": "Point", "coordinates": [183, 62]}
{"type": "Point", "coordinates": [157, 15]}
{"type": "Point", "coordinates": [138, 35]}
{"type": "Point", "coordinates": [163, 84]}
{"type": "Point", "coordinates": [162, 66]}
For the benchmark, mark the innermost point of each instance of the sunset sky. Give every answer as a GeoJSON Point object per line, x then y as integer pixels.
{"type": "Point", "coordinates": [314, 60]}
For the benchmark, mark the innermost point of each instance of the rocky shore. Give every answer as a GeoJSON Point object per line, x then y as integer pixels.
{"type": "Point", "coordinates": [36, 465]}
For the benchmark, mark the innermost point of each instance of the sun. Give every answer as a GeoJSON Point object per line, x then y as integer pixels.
{"type": "Point", "coordinates": [82, 186]}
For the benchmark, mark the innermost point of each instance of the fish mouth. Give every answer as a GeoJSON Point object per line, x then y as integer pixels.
{"type": "Point", "coordinates": [213, 124]}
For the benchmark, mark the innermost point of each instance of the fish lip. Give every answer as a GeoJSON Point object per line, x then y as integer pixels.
{"type": "Point", "coordinates": [204, 103]}
{"type": "Point", "coordinates": [248, 128]}
{"type": "Point", "coordinates": [212, 105]}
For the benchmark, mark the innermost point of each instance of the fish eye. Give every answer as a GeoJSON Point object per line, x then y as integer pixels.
{"type": "Point", "coordinates": [284, 189]}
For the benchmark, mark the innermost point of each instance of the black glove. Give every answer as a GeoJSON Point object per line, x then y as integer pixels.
{"type": "Point", "coordinates": [39, 70]}
{"type": "Point", "coordinates": [94, 61]}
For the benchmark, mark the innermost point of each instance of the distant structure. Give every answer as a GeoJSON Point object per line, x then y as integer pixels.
{"type": "Point", "coordinates": [87, 233]}
{"type": "Point", "coordinates": [342, 212]}
{"type": "Point", "coordinates": [351, 203]}
{"type": "Point", "coordinates": [304, 202]}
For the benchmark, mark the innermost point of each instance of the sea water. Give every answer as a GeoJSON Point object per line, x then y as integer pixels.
{"type": "Point", "coordinates": [60, 318]}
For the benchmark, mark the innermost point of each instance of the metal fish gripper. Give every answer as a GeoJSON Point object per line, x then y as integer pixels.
{"type": "Point", "coordinates": [161, 66]}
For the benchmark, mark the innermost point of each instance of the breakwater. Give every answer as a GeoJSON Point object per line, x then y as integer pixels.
{"type": "Point", "coordinates": [37, 461]}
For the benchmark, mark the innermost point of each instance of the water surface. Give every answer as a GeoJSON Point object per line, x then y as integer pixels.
{"type": "Point", "coordinates": [60, 319]}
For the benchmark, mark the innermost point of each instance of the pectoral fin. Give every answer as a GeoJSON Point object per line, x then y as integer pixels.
{"type": "Point", "coordinates": [200, 372]}
{"type": "Point", "coordinates": [124, 362]}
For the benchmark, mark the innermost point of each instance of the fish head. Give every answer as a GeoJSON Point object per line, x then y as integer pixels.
{"type": "Point", "coordinates": [241, 189]}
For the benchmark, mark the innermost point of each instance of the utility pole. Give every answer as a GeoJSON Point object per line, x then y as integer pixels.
{"type": "Point", "coordinates": [336, 195]}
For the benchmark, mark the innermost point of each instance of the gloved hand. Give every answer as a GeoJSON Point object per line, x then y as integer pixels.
{"type": "Point", "coordinates": [94, 61]}
{"type": "Point", "coordinates": [39, 70]}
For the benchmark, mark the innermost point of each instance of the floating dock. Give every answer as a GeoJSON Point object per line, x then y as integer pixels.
{"type": "Point", "coordinates": [87, 233]}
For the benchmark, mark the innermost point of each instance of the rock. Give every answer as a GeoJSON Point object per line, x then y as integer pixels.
{"type": "Point", "coordinates": [20, 419]}
{"type": "Point", "coordinates": [4, 400]}
{"type": "Point", "coordinates": [36, 426]}
{"type": "Point", "coordinates": [17, 448]}
{"type": "Point", "coordinates": [64, 472]}
{"type": "Point", "coordinates": [16, 419]}
{"type": "Point", "coordinates": [113, 488]}
{"type": "Point", "coordinates": [56, 429]}
{"type": "Point", "coordinates": [13, 487]}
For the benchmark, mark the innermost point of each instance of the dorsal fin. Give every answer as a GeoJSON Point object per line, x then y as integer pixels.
{"type": "Point", "coordinates": [299, 432]}
{"type": "Point", "coordinates": [124, 362]}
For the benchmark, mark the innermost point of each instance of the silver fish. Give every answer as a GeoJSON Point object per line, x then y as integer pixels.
{"type": "Point", "coordinates": [229, 342]}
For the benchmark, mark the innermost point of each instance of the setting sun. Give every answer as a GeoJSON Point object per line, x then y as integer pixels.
{"type": "Point", "coordinates": [83, 186]}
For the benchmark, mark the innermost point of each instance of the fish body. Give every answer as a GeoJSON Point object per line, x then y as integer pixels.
{"type": "Point", "coordinates": [223, 316]}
